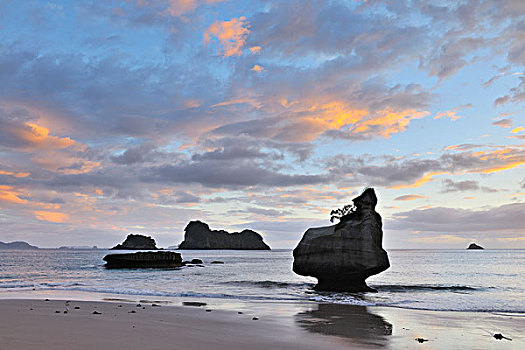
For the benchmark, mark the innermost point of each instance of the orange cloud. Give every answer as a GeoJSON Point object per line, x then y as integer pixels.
{"type": "Point", "coordinates": [51, 216]}
{"type": "Point", "coordinates": [10, 195]}
{"type": "Point", "coordinates": [255, 50]}
{"type": "Point", "coordinates": [39, 136]}
{"type": "Point", "coordinates": [230, 34]}
{"type": "Point", "coordinates": [387, 122]}
{"type": "Point", "coordinates": [517, 130]}
{"type": "Point", "coordinates": [257, 68]}
{"type": "Point", "coordinates": [409, 197]}
{"type": "Point", "coordinates": [14, 174]}
{"type": "Point", "coordinates": [448, 114]}
{"type": "Point", "coordinates": [421, 181]}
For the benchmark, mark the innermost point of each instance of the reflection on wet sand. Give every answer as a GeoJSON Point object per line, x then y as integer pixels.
{"type": "Point", "coordinates": [349, 321]}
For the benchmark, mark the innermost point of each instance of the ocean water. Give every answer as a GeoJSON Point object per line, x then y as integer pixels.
{"type": "Point", "coordinates": [456, 280]}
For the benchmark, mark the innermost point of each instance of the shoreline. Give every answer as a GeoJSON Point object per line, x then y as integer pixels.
{"type": "Point", "coordinates": [36, 324]}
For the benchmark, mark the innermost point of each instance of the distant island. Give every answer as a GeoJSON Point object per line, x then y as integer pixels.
{"type": "Point", "coordinates": [19, 245]}
{"type": "Point", "coordinates": [474, 246]}
{"type": "Point", "coordinates": [135, 242]}
{"type": "Point", "coordinates": [199, 236]}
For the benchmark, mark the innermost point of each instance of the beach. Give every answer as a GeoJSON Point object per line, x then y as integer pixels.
{"type": "Point", "coordinates": [41, 324]}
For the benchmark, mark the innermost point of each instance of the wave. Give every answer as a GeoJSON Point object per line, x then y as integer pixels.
{"type": "Point", "coordinates": [425, 288]}
{"type": "Point", "coordinates": [269, 284]}
{"type": "Point", "coordinates": [25, 285]}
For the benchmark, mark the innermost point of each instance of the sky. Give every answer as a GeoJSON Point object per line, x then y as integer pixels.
{"type": "Point", "coordinates": [138, 116]}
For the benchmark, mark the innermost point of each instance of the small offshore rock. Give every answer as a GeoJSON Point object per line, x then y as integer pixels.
{"type": "Point", "coordinates": [134, 242]}
{"type": "Point", "coordinates": [196, 261]}
{"type": "Point", "coordinates": [96, 313]}
{"type": "Point", "coordinates": [217, 262]}
{"type": "Point", "coordinates": [475, 246]}
{"type": "Point", "coordinates": [421, 340]}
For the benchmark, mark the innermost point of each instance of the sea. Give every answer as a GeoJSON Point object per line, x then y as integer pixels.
{"type": "Point", "coordinates": [452, 280]}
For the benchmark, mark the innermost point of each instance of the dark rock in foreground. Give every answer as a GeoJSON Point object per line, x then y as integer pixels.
{"type": "Point", "coordinates": [143, 260]}
{"type": "Point", "coordinates": [474, 246]}
{"type": "Point", "coordinates": [343, 256]}
{"type": "Point", "coordinates": [19, 245]}
{"type": "Point", "coordinates": [135, 242]}
{"type": "Point", "coordinates": [199, 236]}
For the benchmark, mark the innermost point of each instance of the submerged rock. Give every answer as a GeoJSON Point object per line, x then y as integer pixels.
{"type": "Point", "coordinates": [343, 256]}
{"type": "Point", "coordinates": [135, 242]}
{"type": "Point", "coordinates": [199, 236]}
{"type": "Point", "coordinates": [143, 260]}
{"type": "Point", "coordinates": [474, 246]}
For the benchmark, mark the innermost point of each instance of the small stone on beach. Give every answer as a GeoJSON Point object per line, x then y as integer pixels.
{"type": "Point", "coordinates": [421, 340]}
{"type": "Point", "coordinates": [138, 305]}
{"type": "Point", "coordinates": [77, 308]}
{"type": "Point", "coordinates": [208, 310]}
{"type": "Point", "coordinates": [96, 313]}
{"type": "Point", "coordinates": [500, 336]}
{"type": "Point", "coordinates": [57, 312]}
{"type": "Point", "coordinates": [255, 318]}
{"type": "Point", "coordinates": [132, 312]}
{"type": "Point", "coordinates": [239, 312]}
{"type": "Point", "coordinates": [155, 305]}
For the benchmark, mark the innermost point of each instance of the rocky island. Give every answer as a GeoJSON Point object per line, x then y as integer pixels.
{"type": "Point", "coordinates": [199, 236]}
{"type": "Point", "coordinates": [18, 245]}
{"type": "Point", "coordinates": [344, 255]}
{"type": "Point", "coordinates": [136, 242]}
{"type": "Point", "coordinates": [474, 246]}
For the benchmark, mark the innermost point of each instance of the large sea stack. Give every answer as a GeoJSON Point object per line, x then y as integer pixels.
{"type": "Point", "coordinates": [343, 256]}
{"type": "Point", "coordinates": [136, 242]}
{"type": "Point", "coordinates": [199, 236]}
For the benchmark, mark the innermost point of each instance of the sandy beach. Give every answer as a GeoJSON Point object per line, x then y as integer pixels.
{"type": "Point", "coordinates": [41, 324]}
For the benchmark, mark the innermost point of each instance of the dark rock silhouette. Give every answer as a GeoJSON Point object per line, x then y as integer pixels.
{"type": "Point", "coordinates": [199, 236]}
{"type": "Point", "coordinates": [143, 260]}
{"type": "Point", "coordinates": [474, 246]}
{"type": "Point", "coordinates": [343, 256]}
{"type": "Point", "coordinates": [135, 242]}
{"type": "Point", "coordinates": [18, 245]}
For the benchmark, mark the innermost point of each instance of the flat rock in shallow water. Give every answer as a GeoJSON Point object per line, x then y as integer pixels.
{"type": "Point", "coordinates": [343, 256]}
{"type": "Point", "coordinates": [143, 260]}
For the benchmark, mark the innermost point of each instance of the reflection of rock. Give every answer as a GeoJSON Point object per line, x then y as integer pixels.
{"type": "Point", "coordinates": [342, 256]}
{"type": "Point", "coordinates": [143, 260]}
{"type": "Point", "coordinates": [134, 242]}
{"type": "Point", "coordinates": [349, 321]}
{"type": "Point", "coordinates": [199, 236]}
{"type": "Point", "coordinates": [474, 246]}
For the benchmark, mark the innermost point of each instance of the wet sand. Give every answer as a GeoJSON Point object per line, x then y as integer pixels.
{"type": "Point", "coordinates": [40, 324]}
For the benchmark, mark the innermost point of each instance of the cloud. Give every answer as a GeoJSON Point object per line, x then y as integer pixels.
{"type": "Point", "coordinates": [51, 216]}
{"type": "Point", "coordinates": [504, 220]}
{"type": "Point", "coordinates": [409, 197]}
{"type": "Point", "coordinates": [504, 123]}
{"type": "Point", "coordinates": [231, 35]}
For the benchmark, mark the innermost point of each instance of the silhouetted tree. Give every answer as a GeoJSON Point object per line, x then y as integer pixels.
{"type": "Point", "coordinates": [342, 212]}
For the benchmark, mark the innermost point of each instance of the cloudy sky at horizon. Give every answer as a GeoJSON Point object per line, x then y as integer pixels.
{"type": "Point", "coordinates": [137, 116]}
